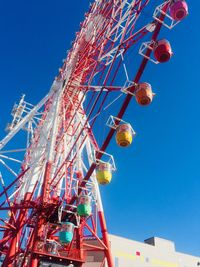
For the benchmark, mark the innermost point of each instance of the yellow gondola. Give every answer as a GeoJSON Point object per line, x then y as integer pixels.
{"type": "Point", "coordinates": [104, 173]}
{"type": "Point", "coordinates": [124, 135]}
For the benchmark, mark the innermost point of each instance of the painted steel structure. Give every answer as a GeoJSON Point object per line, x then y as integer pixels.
{"type": "Point", "coordinates": [57, 153]}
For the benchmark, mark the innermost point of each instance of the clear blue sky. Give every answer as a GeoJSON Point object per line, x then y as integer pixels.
{"type": "Point", "coordinates": [156, 190]}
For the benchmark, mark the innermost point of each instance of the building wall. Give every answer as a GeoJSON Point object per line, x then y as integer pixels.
{"type": "Point", "coordinates": [154, 252]}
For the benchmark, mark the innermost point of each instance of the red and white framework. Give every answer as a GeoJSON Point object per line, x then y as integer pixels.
{"type": "Point", "coordinates": [50, 154]}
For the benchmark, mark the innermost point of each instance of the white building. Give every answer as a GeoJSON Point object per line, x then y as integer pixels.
{"type": "Point", "coordinates": [154, 252]}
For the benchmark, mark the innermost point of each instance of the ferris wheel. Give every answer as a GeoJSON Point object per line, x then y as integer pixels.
{"type": "Point", "coordinates": [51, 162]}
